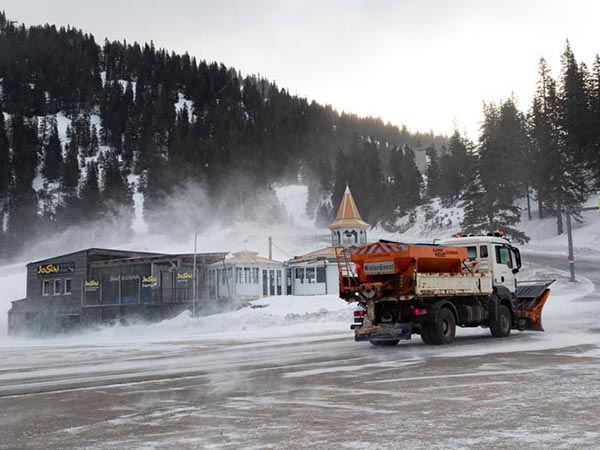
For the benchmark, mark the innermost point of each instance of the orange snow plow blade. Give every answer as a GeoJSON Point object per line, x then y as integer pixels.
{"type": "Point", "coordinates": [531, 299]}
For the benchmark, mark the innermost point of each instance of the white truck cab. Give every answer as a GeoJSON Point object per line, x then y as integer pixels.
{"type": "Point", "coordinates": [494, 254]}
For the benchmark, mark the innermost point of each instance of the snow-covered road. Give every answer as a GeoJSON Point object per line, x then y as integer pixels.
{"type": "Point", "coordinates": [311, 388]}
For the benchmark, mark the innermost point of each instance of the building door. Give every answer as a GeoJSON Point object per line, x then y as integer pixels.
{"type": "Point", "coordinates": [288, 278]}
{"type": "Point", "coordinates": [265, 283]}
{"type": "Point", "coordinates": [271, 282]}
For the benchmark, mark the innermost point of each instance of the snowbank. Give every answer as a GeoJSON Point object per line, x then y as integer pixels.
{"type": "Point", "coordinates": [260, 319]}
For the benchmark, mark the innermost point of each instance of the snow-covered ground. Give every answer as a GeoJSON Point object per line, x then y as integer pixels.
{"type": "Point", "coordinates": [282, 316]}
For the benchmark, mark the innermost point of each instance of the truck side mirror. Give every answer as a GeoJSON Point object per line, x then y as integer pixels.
{"type": "Point", "coordinates": [515, 271]}
{"type": "Point", "coordinates": [517, 257]}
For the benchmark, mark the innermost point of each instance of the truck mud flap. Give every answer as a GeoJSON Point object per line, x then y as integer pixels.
{"type": "Point", "coordinates": [528, 309]}
{"type": "Point", "coordinates": [384, 332]}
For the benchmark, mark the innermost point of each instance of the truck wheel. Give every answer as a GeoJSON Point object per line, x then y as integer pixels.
{"type": "Point", "coordinates": [425, 336]}
{"type": "Point", "coordinates": [444, 329]}
{"type": "Point", "coordinates": [501, 326]}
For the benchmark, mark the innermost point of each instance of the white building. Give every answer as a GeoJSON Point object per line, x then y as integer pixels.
{"type": "Point", "coordinates": [316, 273]}
{"type": "Point", "coordinates": [245, 276]}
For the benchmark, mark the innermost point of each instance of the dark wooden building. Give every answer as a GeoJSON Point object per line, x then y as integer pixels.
{"type": "Point", "coordinates": [99, 285]}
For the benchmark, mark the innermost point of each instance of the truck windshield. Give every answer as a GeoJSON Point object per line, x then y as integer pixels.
{"type": "Point", "coordinates": [503, 256]}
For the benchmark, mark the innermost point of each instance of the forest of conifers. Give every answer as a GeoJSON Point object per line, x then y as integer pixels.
{"type": "Point", "coordinates": [171, 126]}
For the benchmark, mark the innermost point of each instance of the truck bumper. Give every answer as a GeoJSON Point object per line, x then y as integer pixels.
{"type": "Point", "coordinates": [384, 332]}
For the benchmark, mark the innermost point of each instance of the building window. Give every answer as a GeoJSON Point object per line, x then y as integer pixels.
{"type": "Point", "coordinates": [279, 282]}
{"type": "Point", "coordinates": [247, 276]}
{"type": "Point", "coordinates": [336, 238]}
{"type": "Point", "coordinates": [46, 287]}
{"type": "Point", "coordinates": [310, 275]}
{"type": "Point", "coordinates": [350, 237]}
{"type": "Point", "coordinates": [57, 287]}
{"type": "Point", "coordinates": [320, 274]}
{"type": "Point", "coordinates": [255, 275]}
{"type": "Point", "coordinates": [271, 282]}
{"type": "Point", "coordinates": [67, 286]}
{"type": "Point", "coordinates": [300, 275]}
{"type": "Point", "coordinates": [239, 277]}
{"type": "Point", "coordinates": [265, 283]}
{"type": "Point", "coordinates": [363, 237]}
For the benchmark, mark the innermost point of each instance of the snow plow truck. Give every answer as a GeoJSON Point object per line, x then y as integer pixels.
{"type": "Point", "coordinates": [430, 289]}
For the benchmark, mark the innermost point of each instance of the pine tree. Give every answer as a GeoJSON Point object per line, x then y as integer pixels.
{"type": "Point", "coordinates": [560, 141]}
{"type": "Point", "coordinates": [432, 173]}
{"type": "Point", "coordinates": [53, 159]}
{"type": "Point", "coordinates": [574, 112]}
{"type": "Point", "coordinates": [116, 194]}
{"type": "Point", "coordinates": [406, 181]}
{"type": "Point", "coordinates": [456, 168]}
{"type": "Point", "coordinates": [489, 200]}
{"type": "Point", "coordinates": [594, 90]}
{"type": "Point", "coordinates": [23, 219]}
{"type": "Point", "coordinates": [6, 179]}
{"type": "Point", "coordinates": [71, 173]}
{"type": "Point", "coordinates": [341, 177]}
{"type": "Point", "coordinates": [515, 143]}
{"type": "Point", "coordinates": [544, 133]}
{"type": "Point", "coordinates": [94, 142]}
{"type": "Point", "coordinates": [5, 163]}
{"type": "Point", "coordinates": [90, 202]}
{"type": "Point", "coordinates": [24, 148]}
{"type": "Point", "coordinates": [68, 210]}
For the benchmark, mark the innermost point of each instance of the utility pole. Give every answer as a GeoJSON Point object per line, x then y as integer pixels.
{"type": "Point", "coordinates": [270, 247]}
{"type": "Point", "coordinates": [194, 277]}
{"type": "Point", "coordinates": [571, 257]}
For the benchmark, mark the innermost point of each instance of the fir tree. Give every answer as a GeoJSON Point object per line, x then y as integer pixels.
{"type": "Point", "coordinates": [116, 193]}
{"type": "Point", "coordinates": [89, 195]}
{"type": "Point", "coordinates": [5, 163]}
{"type": "Point", "coordinates": [71, 173]}
{"type": "Point", "coordinates": [456, 168]}
{"type": "Point", "coordinates": [53, 159]}
{"type": "Point", "coordinates": [489, 199]}
{"type": "Point", "coordinates": [433, 173]}
{"type": "Point", "coordinates": [594, 90]}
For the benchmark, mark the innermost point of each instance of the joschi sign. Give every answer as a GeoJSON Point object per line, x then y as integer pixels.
{"type": "Point", "coordinates": [91, 285]}
{"type": "Point", "coordinates": [149, 282]}
{"type": "Point", "coordinates": [55, 269]}
{"type": "Point", "coordinates": [184, 277]}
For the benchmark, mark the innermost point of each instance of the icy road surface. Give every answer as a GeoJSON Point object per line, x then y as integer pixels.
{"type": "Point", "coordinates": [313, 389]}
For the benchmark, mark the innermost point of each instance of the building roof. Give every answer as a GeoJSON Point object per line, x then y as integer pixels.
{"type": "Point", "coordinates": [248, 257]}
{"type": "Point", "coordinates": [158, 258]}
{"type": "Point", "coordinates": [348, 215]}
{"type": "Point", "coordinates": [327, 253]}
{"type": "Point", "coordinates": [94, 251]}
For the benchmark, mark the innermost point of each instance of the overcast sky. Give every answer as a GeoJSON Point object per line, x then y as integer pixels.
{"type": "Point", "coordinates": [426, 64]}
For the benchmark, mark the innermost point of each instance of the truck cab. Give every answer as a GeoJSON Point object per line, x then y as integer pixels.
{"type": "Point", "coordinates": [491, 254]}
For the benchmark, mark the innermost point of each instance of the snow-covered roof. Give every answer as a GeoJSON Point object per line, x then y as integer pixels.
{"type": "Point", "coordinates": [348, 215]}
{"type": "Point", "coordinates": [247, 257]}
{"type": "Point", "coordinates": [318, 255]}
